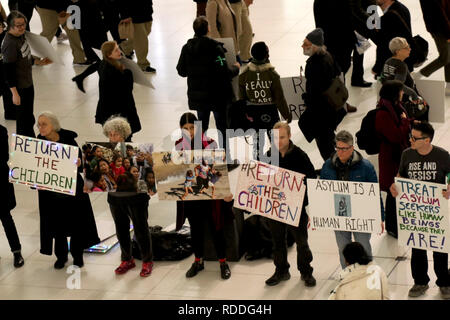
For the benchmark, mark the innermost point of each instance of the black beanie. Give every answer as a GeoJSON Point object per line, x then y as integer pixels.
{"type": "Point", "coordinates": [260, 51]}
{"type": "Point", "coordinates": [187, 117]}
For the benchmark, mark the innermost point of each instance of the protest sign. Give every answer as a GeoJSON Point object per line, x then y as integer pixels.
{"type": "Point", "coordinates": [271, 192]}
{"type": "Point", "coordinates": [433, 92]}
{"type": "Point", "coordinates": [293, 87]}
{"type": "Point", "coordinates": [43, 164]}
{"type": "Point", "coordinates": [344, 205]}
{"type": "Point", "coordinates": [191, 175]}
{"type": "Point", "coordinates": [422, 215]}
{"type": "Point", "coordinates": [40, 47]}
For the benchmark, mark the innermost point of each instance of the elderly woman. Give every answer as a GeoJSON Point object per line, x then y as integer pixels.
{"type": "Point", "coordinates": [128, 204]}
{"type": "Point", "coordinates": [61, 215]}
{"type": "Point", "coordinates": [115, 89]}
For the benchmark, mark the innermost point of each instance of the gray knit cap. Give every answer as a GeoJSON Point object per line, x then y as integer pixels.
{"type": "Point", "coordinates": [316, 37]}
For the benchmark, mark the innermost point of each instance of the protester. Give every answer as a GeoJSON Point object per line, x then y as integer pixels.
{"type": "Point", "coordinates": [426, 162]}
{"type": "Point", "coordinates": [244, 28]}
{"type": "Point", "coordinates": [201, 7]}
{"type": "Point", "coordinates": [62, 215]}
{"type": "Point", "coordinates": [10, 109]}
{"type": "Point", "coordinates": [222, 21]}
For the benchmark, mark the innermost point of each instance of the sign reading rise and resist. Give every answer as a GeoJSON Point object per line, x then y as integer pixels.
{"type": "Point", "coordinates": [43, 164]}
{"type": "Point", "coordinates": [271, 192]}
{"type": "Point", "coordinates": [344, 205]}
{"type": "Point", "coordinates": [422, 215]}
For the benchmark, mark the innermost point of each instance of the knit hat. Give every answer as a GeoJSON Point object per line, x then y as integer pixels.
{"type": "Point", "coordinates": [316, 37]}
{"type": "Point", "coordinates": [260, 51]}
{"type": "Point", "coordinates": [187, 117]}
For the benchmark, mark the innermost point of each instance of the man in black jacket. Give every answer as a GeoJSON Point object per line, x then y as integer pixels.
{"type": "Point", "coordinates": [138, 12]}
{"type": "Point", "coordinates": [395, 22]}
{"type": "Point", "coordinates": [436, 14]}
{"type": "Point", "coordinates": [292, 158]}
{"type": "Point", "coordinates": [203, 62]}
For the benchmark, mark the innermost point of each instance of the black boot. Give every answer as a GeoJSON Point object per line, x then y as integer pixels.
{"type": "Point", "coordinates": [196, 267]}
{"type": "Point", "coordinates": [277, 277]}
{"type": "Point", "coordinates": [78, 261]}
{"type": "Point", "coordinates": [60, 263]}
{"type": "Point", "coordinates": [79, 81]}
{"type": "Point", "coordinates": [18, 260]}
{"type": "Point", "coordinates": [310, 281]}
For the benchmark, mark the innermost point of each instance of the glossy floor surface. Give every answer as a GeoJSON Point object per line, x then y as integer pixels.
{"type": "Point", "coordinates": [283, 25]}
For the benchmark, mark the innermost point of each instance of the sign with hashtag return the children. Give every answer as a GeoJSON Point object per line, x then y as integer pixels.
{"type": "Point", "coordinates": [422, 215]}
{"type": "Point", "coordinates": [344, 205]}
{"type": "Point", "coordinates": [271, 192]}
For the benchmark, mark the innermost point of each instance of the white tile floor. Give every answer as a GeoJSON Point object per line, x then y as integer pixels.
{"type": "Point", "coordinates": [283, 25]}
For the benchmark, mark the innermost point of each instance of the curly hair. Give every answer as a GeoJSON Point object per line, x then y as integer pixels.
{"type": "Point", "coordinates": [117, 124]}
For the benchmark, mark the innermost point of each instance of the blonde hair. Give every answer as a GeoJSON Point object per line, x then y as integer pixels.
{"type": "Point", "coordinates": [397, 44]}
{"type": "Point", "coordinates": [107, 49]}
{"type": "Point", "coordinates": [53, 119]}
{"type": "Point", "coordinates": [282, 124]}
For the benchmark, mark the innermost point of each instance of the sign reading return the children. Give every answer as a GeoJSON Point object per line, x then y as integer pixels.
{"type": "Point", "coordinates": [422, 215]}
{"type": "Point", "coordinates": [344, 205]}
{"type": "Point", "coordinates": [271, 192]}
{"type": "Point", "coordinates": [43, 164]}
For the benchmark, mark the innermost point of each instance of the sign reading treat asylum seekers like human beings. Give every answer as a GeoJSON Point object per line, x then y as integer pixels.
{"type": "Point", "coordinates": [422, 215]}
{"type": "Point", "coordinates": [271, 192]}
{"type": "Point", "coordinates": [344, 205]}
{"type": "Point", "coordinates": [191, 175]}
{"type": "Point", "coordinates": [293, 87]}
{"type": "Point", "coordinates": [43, 164]}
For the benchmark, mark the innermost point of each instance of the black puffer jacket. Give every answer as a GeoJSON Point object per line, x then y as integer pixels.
{"type": "Point", "coordinates": [202, 61]}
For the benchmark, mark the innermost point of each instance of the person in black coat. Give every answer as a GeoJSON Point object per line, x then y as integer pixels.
{"type": "Point", "coordinates": [5, 209]}
{"type": "Point", "coordinates": [395, 22]}
{"type": "Point", "coordinates": [10, 110]}
{"type": "Point", "coordinates": [201, 7]}
{"type": "Point", "coordinates": [61, 215]}
{"type": "Point", "coordinates": [115, 89]}
{"type": "Point", "coordinates": [292, 158]}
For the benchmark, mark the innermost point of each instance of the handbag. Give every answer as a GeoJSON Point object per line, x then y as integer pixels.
{"type": "Point", "coordinates": [126, 30]}
{"type": "Point", "coordinates": [336, 94]}
{"type": "Point", "coordinates": [417, 111]}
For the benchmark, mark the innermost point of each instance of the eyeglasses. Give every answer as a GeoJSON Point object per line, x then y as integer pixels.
{"type": "Point", "coordinates": [343, 148]}
{"type": "Point", "coordinates": [416, 138]}
{"type": "Point", "coordinates": [20, 25]}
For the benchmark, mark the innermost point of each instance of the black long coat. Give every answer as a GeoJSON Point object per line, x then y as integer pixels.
{"type": "Point", "coordinates": [5, 186]}
{"type": "Point", "coordinates": [116, 95]}
{"type": "Point", "coordinates": [65, 215]}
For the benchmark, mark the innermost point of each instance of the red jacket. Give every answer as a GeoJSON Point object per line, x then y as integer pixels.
{"type": "Point", "coordinates": [394, 131]}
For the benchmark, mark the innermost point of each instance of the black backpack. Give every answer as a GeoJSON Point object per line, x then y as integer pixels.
{"type": "Point", "coordinates": [367, 138]}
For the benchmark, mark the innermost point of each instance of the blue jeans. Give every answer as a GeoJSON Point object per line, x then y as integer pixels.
{"type": "Point", "coordinates": [345, 237]}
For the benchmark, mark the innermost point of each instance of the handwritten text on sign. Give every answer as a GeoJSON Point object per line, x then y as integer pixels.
{"type": "Point", "coordinates": [271, 192]}
{"type": "Point", "coordinates": [344, 205]}
{"type": "Point", "coordinates": [43, 164]}
{"type": "Point", "coordinates": [422, 215]}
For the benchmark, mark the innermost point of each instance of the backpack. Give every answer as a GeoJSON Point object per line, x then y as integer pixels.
{"type": "Point", "coordinates": [367, 137]}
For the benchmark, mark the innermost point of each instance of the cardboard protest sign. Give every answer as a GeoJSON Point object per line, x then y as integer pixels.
{"type": "Point", "coordinates": [43, 164]}
{"type": "Point", "coordinates": [344, 205]}
{"type": "Point", "coordinates": [271, 192]}
{"type": "Point", "coordinates": [40, 47]}
{"type": "Point", "coordinates": [191, 175]}
{"type": "Point", "coordinates": [293, 87]}
{"type": "Point", "coordinates": [230, 56]}
{"type": "Point", "coordinates": [104, 162]}
{"type": "Point", "coordinates": [422, 215]}
{"type": "Point", "coordinates": [433, 92]}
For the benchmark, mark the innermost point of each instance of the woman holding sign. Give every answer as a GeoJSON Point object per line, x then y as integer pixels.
{"type": "Point", "coordinates": [61, 215]}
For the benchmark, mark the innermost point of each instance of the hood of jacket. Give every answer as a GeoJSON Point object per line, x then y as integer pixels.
{"type": "Point", "coordinates": [258, 67]}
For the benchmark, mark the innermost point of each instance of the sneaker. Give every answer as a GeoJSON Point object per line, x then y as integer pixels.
{"type": "Point", "coordinates": [62, 37]}
{"type": "Point", "coordinates": [195, 268]}
{"type": "Point", "coordinates": [417, 290]}
{"type": "Point", "coordinates": [277, 277]}
{"type": "Point", "coordinates": [445, 292]}
{"type": "Point", "coordinates": [225, 272]}
{"type": "Point", "coordinates": [60, 263]}
{"type": "Point", "coordinates": [125, 266]}
{"type": "Point", "coordinates": [147, 268]}
{"type": "Point", "coordinates": [310, 281]}
{"type": "Point", "coordinates": [361, 84]}
{"type": "Point", "coordinates": [149, 70]}
{"type": "Point", "coordinates": [18, 260]}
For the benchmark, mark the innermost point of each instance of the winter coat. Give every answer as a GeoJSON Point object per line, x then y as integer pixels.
{"type": "Point", "coordinates": [362, 282]}
{"type": "Point", "coordinates": [320, 71]}
{"type": "Point", "coordinates": [66, 215]}
{"type": "Point", "coordinates": [202, 61]}
{"type": "Point", "coordinates": [222, 21]}
{"type": "Point", "coordinates": [116, 95]}
{"type": "Point", "coordinates": [6, 187]}
{"type": "Point", "coordinates": [57, 5]}
{"type": "Point", "coordinates": [140, 11]}
{"type": "Point", "coordinates": [259, 83]}
{"type": "Point", "coordinates": [360, 170]}
{"type": "Point", "coordinates": [359, 16]}
{"type": "Point", "coordinates": [436, 14]}
{"type": "Point", "coordinates": [394, 132]}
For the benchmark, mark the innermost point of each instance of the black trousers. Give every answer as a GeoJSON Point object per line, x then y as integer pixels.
{"type": "Point", "coordinates": [10, 230]}
{"type": "Point", "coordinates": [391, 215]}
{"type": "Point", "coordinates": [138, 213]}
{"type": "Point", "coordinates": [279, 232]}
{"type": "Point", "coordinates": [221, 125]}
{"type": "Point", "coordinates": [25, 117]}
{"type": "Point", "coordinates": [198, 221]}
{"type": "Point", "coordinates": [419, 267]}
{"type": "Point", "coordinates": [62, 248]}
{"type": "Point", "coordinates": [325, 143]}
{"type": "Point", "coordinates": [358, 67]}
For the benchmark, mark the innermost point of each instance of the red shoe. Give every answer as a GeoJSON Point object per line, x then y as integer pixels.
{"type": "Point", "coordinates": [125, 266]}
{"type": "Point", "coordinates": [146, 269]}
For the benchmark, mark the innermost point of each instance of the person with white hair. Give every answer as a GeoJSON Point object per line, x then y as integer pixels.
{"type": "Point", "coordinates": [62, 215]}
